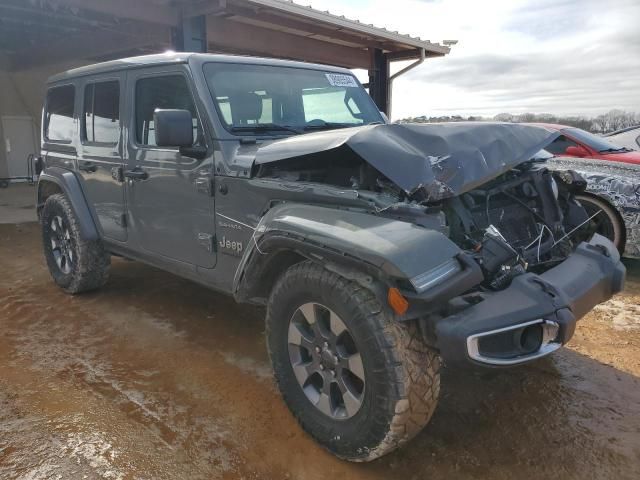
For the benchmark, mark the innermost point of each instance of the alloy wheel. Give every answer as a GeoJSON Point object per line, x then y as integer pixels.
{"type": "Point", "coordinates": [61, 245]}
{"type": "Point", "coordinates": [326, 361]}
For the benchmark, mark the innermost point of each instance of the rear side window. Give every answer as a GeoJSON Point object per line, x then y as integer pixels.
{"type": "Point", "coordinates": [170, 92]}
{"type": "Point", "coordinates": [59, 116]}
{"type": "Point", "coordinates": [101, 118]}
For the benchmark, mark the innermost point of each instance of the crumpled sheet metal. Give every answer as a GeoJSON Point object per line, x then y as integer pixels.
{"type": "Point", "coordinates": [443, 160]}
{"type": "Point", "coordinates": [616, 182]}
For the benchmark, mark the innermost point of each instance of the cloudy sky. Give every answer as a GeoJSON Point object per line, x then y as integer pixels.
{"type": "Point", "coordinates": [566, 57]}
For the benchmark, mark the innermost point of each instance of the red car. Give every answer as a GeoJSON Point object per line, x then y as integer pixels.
{"type": "Point", "coordinates": [575, 142]}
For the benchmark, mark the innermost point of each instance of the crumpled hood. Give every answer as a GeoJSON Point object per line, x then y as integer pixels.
{"type": "Point", "coordinates": [444, 160]}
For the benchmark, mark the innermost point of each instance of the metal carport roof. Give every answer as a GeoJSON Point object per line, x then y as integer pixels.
{"type": "Point", "coordinates": [34, 33]}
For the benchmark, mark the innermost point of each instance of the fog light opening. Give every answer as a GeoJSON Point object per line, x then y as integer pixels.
{"type": "Point", "coordinates": [531, 338]}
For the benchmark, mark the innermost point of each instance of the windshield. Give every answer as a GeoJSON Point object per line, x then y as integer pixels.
{"type": "Point", "coordinates": [261, 99]}
{"type": "Point", "coordinates": [599, 144]}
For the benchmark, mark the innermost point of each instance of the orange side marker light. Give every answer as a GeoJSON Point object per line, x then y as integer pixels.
{"type": "Point", "coordinates": [397, 302]}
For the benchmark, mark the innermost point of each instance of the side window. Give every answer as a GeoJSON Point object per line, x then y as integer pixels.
{"type": "Point", "coordinates": [170, 92]}
{"type": "Point", "coordinates": [559, 145]}
{"type": "Point", "coordinates": [59, 115]}
{"type": "Point", "coordinates": [101, 118]}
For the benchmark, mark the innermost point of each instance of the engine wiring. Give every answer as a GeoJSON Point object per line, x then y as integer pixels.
{"type": "Point", "coordinates": [576, 228]}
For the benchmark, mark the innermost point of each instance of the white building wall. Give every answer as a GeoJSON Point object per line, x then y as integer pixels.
{"type": "Point", "coordinates": [22, 94]}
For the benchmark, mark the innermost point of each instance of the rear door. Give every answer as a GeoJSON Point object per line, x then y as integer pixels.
{"type": "Point", "coordinates": [169, 196]}
{"type": "Point", "coordinates": [100, 153]}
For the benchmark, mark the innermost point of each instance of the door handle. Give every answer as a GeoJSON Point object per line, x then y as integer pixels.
{"type": "Point", "coordinates": [88, 167]}
{"type": "Point", "coordinates": [136, 174]}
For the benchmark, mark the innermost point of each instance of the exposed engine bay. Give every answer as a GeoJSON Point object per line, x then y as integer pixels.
{"type": "Point", "coordinates": [524, 220]}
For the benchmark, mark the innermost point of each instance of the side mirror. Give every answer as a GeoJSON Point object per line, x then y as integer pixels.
{"type": "Point", "coordinates": [576, 151]}
{"type": "Point", "coordinates": [174, 128]}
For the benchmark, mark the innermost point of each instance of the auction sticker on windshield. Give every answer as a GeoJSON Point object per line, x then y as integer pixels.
{"type": "Point", "coordinates": [340, 80]}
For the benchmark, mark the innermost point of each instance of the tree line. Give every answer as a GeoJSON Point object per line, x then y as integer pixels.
{"type": "Point", "coordinates": [607, 122]}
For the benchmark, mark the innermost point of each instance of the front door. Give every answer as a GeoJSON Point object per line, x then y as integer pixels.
{"type": "Point", "coordinates": [100, 152]}
{"type": "Point", "coordinates": [169, 195]}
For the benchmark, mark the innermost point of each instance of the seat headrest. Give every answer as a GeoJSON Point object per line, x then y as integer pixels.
{"type": "Point", "coordinates": [245, 106]}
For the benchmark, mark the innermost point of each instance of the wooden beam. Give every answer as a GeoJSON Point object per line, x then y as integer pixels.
{"type": "Point", "coordinates": [410, 55]}
{"type": "Point", "coordinates": [224, 33]}
{"type": "Point", "coordinates": [280, 21]}
{"type": "Point", "coordinates": [204, 7]}
{"type": "Point", "coordinates": [81, 47]}
{"type": "Point", "coordinates": [139, 10]}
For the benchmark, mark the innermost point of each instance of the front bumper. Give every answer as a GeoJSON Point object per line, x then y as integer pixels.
{"type": "Point", "coordinates": [536, 314]}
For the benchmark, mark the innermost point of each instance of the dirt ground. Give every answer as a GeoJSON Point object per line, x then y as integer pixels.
{"type": "Point", "coordinates": [157, 378]}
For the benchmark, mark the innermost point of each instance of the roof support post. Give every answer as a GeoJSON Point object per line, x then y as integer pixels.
{"type": "Point", "coordinates": [191, 34]}
{"type": "Point", "coordinates": [379, 80]}
{"type": "Point", "coordinates": [404, 70]}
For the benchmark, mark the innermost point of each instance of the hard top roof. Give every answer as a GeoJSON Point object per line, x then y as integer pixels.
{"type": "Point", "coordinates": [171, 58]}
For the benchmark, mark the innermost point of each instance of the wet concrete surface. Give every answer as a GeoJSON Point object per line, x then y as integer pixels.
{"type": "Point", "coordinates": [17, 203]}
{"type": "Point", "coordinates": [154, 377]}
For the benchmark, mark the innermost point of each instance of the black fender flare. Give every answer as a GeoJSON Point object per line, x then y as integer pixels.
{"type": "Point", "coordinates": [67, 181]}
{"type": "Point", "coordinates": [367, 248]}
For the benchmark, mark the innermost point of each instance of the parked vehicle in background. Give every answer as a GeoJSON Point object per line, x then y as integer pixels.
{"type": "Point", "coordinates": [377, 249]}
{"type": "Point", "coordinates": [627, 137]}
{"type": "Point", "coordinates": [575, 142]}
{"type": "Point", "coordinates": [612, 194]}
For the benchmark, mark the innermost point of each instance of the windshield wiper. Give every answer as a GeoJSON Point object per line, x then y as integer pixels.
{"type": "Point", "coordinates": [613, 150]}
{"type": "Point", "coordinates": [262, 127]}
{"type": "Point", "coordinates": [330, 125]}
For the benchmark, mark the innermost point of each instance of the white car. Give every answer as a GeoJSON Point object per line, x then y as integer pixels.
{"type": "Point", "coordinates": [627, 137]}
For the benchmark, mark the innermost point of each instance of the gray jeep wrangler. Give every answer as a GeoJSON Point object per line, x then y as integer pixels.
{"type": "Point", "coordinates": [379, 250]}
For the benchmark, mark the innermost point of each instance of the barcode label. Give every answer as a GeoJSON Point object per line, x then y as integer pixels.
{"type": "Point", "coordinates": [340, 80]}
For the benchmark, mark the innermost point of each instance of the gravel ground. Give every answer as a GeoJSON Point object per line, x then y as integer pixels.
{"type": "Point", "coordinates": [154, 377]}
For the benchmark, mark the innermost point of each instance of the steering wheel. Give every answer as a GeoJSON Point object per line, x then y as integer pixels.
{"type": "Point", "coordinates": [316, 121]}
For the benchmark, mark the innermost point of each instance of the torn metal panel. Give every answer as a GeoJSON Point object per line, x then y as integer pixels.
{"type": "Point", "coordinates": [616, 182]}
{"type": "Point", "coordinates": [440, 160]}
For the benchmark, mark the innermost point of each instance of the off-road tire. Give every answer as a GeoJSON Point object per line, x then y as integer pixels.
{"type": "Point", "coordinates": [90, 270]}
{"type": "Point", "coordinates": [402, 373]}
{"type": "Point", "coordinates": [615, 229]}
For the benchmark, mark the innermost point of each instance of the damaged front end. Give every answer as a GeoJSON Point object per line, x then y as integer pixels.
{"type": "Point", "coordinates": [520, 266]}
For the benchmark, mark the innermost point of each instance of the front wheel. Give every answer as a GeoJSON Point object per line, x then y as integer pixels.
{"type": "Point", "coordinates": [358, 381]}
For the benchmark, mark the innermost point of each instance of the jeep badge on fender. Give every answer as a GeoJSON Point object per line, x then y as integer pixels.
{"type": "Point", "coordinates": [230, 247]}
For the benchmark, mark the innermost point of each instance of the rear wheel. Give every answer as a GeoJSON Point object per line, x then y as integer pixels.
{"type": "Point", "coordinates": [607, 222]}
{"type": "Point", "coordinates": [358, 381]}
{"type": "Point", "coordinates": [76, 265]}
